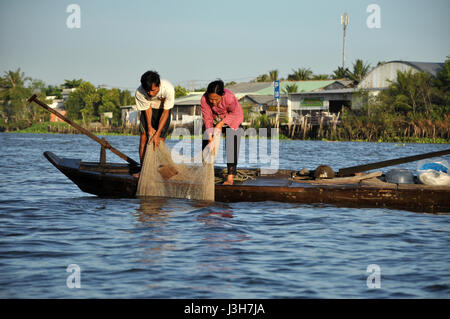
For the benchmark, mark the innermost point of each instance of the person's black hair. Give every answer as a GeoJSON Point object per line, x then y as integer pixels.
{"type": "Point", "coordinates": [149, 78]}
{"type": "Point", "coordinates": [216, 87]}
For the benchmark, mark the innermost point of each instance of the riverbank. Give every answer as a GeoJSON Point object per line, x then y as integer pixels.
{"type": "Point", "coordinates": [64, 128]}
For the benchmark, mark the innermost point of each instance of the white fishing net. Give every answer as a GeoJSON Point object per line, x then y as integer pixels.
{"type": "Point", "coordinates": [162, 176]}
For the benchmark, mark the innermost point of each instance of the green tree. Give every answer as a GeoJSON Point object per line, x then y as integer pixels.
{"type": "Point", "coordinates": [82, 102]}
{"type": "Point", "coordinates": [320, 77]}
{"type": "Point", "coordinates": [110, 101]}
{"type": "Point", "coordinates": [291, 88]}
{"type": "Point", "coordinates": [180, 91]}
{"type": "Point", "coordinates": [126, 98]}
{"type": "Point", "coordinates": [35, 112]}
{"type": "Point", "coordinates": [273, 75]}
{"type": "Point", "coordinates": [52, 90]}
{"type": "Point", "coordinates": [441, 83]}
{"type": "Point", "coordinates": [262, 78]}
{"type": "Point", "coordinates": [410, 92]}
{"type": "Point", "coordinates": [13, 96]}
{"type": "Point", "coordinates": [340, 73]}
{"type": "Point", "coordinates": [300, 74]}
{"type": "Point", "coordinates": [360, 70]}
{"type": "Point", "coordinates": [70, 84]}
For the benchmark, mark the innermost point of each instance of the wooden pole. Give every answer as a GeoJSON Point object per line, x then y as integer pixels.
{"type": "Point", "coordinates": [361, 168]}
{"type": "Point", "coordinates": [102, 142]}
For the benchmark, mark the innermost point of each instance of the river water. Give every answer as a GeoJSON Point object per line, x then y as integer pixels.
{"type": "Point", "coordinates": [172, 248]}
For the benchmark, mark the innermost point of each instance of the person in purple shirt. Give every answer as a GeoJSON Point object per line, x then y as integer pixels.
{"type": "Point", "coordinates": [221, 109]}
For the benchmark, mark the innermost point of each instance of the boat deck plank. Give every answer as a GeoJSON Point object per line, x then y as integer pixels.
{"type": "Point", "coordinates": [267, 181]}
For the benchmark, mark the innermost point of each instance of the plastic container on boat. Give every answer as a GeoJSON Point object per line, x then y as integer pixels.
{"type": "Point", "coordinates": [434, 172]}
{"type": "Point", "coordinates": [399, 176]}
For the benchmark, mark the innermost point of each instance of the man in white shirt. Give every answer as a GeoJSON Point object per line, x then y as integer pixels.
{"type": "Point", "coordinates": [155, 99]}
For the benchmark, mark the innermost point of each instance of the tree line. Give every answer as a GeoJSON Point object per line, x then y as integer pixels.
{"type": "Point", "coordinates": [84, 104]}
{"type": "Point", "coordinates": [415, 105]}
{"type": "Point", "coordinates": [359, 70]}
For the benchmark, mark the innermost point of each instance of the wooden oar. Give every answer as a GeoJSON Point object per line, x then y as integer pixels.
{"type": "Point", "coordinates": [102, 142]}
{"type": "Point", "coordinates": [362, 168]}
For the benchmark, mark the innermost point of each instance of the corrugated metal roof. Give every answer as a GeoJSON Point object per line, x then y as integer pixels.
{"type": "Point", "coordinates": [324, 92]}
{"type": "Point", "coordinates": [381, 76]}
{"type": "Point", "coordinates": [266, 88]}
{"type": "Point", "coordinates": [261, 99]}
{"type": "Point", "coordinates": [431, 67]}
{"type": "Point", "coordinates": [191, 99]}
{"type": "Point", "coordinates": [305, 86]}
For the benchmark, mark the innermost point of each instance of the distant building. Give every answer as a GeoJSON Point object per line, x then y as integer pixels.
{"type": "Point", "coordinates": [66, 92]}
{"type": "Point", "coordinates": [54, 118]}
{"type": "Point", "coordinates": [331, 98]}
{"type": "Point", "coordinates": [187, 108]}
{"type": "Point", "coordinates": [130, 115]}
{"type": "Point", "coordinates": [55, 103]}
{"type": "Point", "coordinates": [380, 76]}
{"type": "Point", "coordinates": [106, 118]}
{"type": "Point", "coordinates": [257, 96]}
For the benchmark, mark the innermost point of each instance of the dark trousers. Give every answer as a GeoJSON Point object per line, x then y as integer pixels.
{"type": "Point", "coordinates": [232, 145]}
{"type": "Point", "coordinates": [156, 116]}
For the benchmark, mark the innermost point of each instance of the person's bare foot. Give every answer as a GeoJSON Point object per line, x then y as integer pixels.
{"type": "Point", "coordinates": [229, 180]}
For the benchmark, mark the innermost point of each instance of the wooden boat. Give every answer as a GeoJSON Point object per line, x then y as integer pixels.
{"type": "Point", "coordinates": [367, 190]}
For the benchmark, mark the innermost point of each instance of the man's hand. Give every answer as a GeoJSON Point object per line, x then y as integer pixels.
{"type": "Point", "coordinates": [155, 140]}
{"type": "Point", "coordinates": [151, 131]}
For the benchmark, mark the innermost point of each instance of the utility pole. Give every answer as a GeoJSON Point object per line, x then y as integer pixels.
{"type": "Point", "coordinates": [344, 22]}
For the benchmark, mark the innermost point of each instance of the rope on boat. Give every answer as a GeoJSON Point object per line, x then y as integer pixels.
{"type": "Point", "coordinates": [241, 175]}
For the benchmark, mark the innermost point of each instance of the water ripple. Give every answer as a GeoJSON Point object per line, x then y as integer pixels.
{"type": "Point", "coordinates": [167, 248]}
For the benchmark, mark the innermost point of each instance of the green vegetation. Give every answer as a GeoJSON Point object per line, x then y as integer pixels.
{"type": "Point", "coordinates": [15, 112]}
{"type": "Point", "coordinates": [301, 74]}
{"type": "Point", "coordinates": [415, 108]}
{"type": "Point", "coordinates": [180, 91]}
{"type": "Point", "coordinates": [86, 103]}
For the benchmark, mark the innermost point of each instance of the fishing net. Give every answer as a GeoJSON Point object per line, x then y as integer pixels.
{"type": "Point", "coordinates": [191, 178]}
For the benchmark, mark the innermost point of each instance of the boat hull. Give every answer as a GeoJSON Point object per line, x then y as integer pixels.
{"type": "Point", "coordinates": [117, 180]}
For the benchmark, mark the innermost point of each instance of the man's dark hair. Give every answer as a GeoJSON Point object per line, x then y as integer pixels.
{"type": "Point", "coordinates": [149, 78]}
{"type": "Point", "coordinates": [216, 87]}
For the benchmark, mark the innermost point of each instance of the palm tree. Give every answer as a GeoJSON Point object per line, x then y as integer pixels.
{"type": "Point", "coordinates": [70, 84]}
{"type": "Point", "coordinates": [301, 74]}
{"type": "Point", "coordinates": [292, 88]}
{"type": "Point", "coordinates": [13, 95]}
{"type": "Point", "coordinates": [262, 78]}
{"type": "Point", "coordinates": [340, 73]}
{"type": "Point", "coordinates": [360, 70]}
{"type": "Point", "coordinates": [273, 75]}
{"type": "Point", "coordinates": [320, 77]}
{"type": "Point", "coordinates": [14, 79]}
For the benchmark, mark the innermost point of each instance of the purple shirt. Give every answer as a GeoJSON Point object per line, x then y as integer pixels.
{"type": "Point", "coordinates": [229, 110]}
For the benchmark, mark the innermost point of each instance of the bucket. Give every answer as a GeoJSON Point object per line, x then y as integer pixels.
{"type": "Point", "coordinates": [399, 176]}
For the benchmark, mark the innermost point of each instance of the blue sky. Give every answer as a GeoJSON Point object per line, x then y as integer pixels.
{"type": "Point", "coordinates": [206, 40]}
